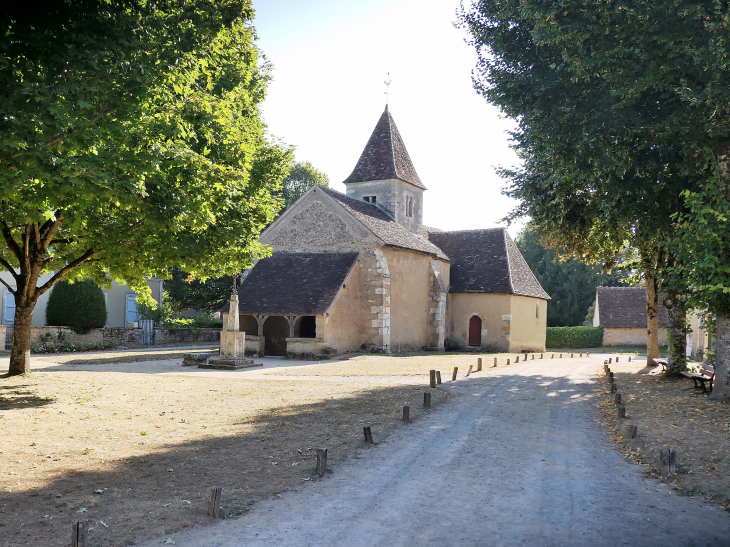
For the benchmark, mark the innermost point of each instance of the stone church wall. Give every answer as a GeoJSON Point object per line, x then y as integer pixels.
{"type": "Point", "coordinates": [529, 323]}
{"type": "Point", "coordinates": [411, 299]}
{"type": "Point", "coordinates": [495, 312]}
{"type": "Point", "coordinates": [344, 328]}
{"type": "Point", "coordinates": [391, 196]}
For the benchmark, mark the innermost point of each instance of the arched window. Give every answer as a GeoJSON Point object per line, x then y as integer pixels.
{"type": "Point", "coordinates": [409, 206]}
{"type": "Point", "coordinates": [475, 331]}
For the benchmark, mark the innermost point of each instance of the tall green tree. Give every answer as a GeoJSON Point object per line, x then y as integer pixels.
{"type": "Point", "coordinates": [599, 173]}
{"type": "Point", "coordinates": [302, 177]}
{"type": "Point", "coordinates": [674, 53]}
{"type": "Point", "coordinates": [131, 141]}
{"type": "Point", "coordinates": [184, 292]}
{"type": "Point", "coordinates": [570, 283]}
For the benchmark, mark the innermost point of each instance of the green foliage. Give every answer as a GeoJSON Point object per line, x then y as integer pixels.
{"type": "Point", "coordinates": [574, 337]}
{"type": "Point", "coordinates": [301, 178]}
{"type": "Point", "coordinates": [570, 283]}
{"type": "Point", "coordinates": [131, 141]}
{"type": "Point", "coordinates": [198, 322]}
{"type": "Point", "coordinates": [184, 292]}
{"type": "Point", "coordinates": [80, 305]}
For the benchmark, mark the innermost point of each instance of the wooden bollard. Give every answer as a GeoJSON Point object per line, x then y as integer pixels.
{"type": "Point", "coordinates": [552, 356]}
{"type": "Point", "coordinates": [507, 362]}
{"type": "Point", "coordinates": [533, 357]}
{"type": "Point", "coordinates": [668, 461]}
{"type": "Point", "coordinates": [620, 412]}
{"type": "Point", "coordinates": [617, 399]}
{"type": "Point", "coordinates": [605, 369]}
{"type": "Point", "coordinates": [479, 364]}
{"type": "Point", "coordinates": [617, 359]}
{"type": "Point", "coordinates": [517, 360]}
{"type": "Point", "coordinates": [495, 361]}
{"type": "Point", "coordinates": [541, 356]}
{"type": "Point", "coordinates": [427, 400]}
{"type": "Point", "coordinates": [215, 494]}
{"type": "Point", "coordinates": [368, 434]}
{"type": "Point", "coordinates": [453, 376]}
{"type": "Point", "coordinates": [629, 431]}
{"type": "Point", "coordinates": [613, 387]}
{"type": "Point", "coordinates": [629, 358]}
{"type": "Point", "coordinates": [438, 376]}
{"type": "Point", "coordinates": [561, 355]}
{"type": "Point", "coordinates": [571, 355]}
{"type": "Point", "coordinates": [469, 372]}
{"type": "Point", "coordinates": [605, 361]}
{"type": "Point", "coordinates": [406, 414]}
{"type": "Point", "coordinates": [321, 461]}
{"type": "Point", "coordinates": [610, 375]}
{"type": "Point", "coordinates": [610, 360]}
{"type": "Point", "coordinates": [78, 532]}
{"type": "Point", "coordinates": [432, 378]}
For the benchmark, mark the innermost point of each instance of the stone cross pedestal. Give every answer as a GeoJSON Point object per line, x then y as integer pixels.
{"type": "Point", "coordinates": [233, 343]}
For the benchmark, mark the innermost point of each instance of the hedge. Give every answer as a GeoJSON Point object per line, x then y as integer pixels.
{"type": "Point", "coordinates": [574, 337]}
{"type": "Point", "coordinates": [80, 305]}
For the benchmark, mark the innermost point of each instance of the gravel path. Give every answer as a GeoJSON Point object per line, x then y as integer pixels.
{"type": "Point", "coordinates": [519, 461]}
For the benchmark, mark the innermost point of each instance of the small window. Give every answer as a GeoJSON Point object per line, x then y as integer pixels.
{"type": "Point", "coordinates": [370, 199]}
{"type": "Point", "coordinates": [537, 311]}
{"type": "Point", "coordinates": [409, 206]}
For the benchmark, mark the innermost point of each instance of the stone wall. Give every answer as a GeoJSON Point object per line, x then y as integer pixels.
{"type": "Point", "coordinates": [308, 348]}
{"type": "Point", "coordinates": [630, 337]}
{"type": "Point", "coordinates": [125, 337]}
{"type": "Point", "coordinates": [254, 346]}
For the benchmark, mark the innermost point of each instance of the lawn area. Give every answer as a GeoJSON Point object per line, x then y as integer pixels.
{"type": "Point", "coordinates": [670, 413]}
{"type": "Point", "coordinates": [135, 453]}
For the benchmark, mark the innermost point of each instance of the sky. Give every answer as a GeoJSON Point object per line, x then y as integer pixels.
{"type": "Point", "coordinates": [330, 60]}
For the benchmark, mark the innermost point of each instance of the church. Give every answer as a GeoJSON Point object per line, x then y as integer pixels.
{"type": "Point", "coordinates": [360, 272]}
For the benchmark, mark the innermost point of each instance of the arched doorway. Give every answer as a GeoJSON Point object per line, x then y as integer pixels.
{"type": "Point", "coordinates": [475, 331]}
{"type": "Point", "coordinates": [276, 331]}
{"type": "Point", "coordinates": [248, 324]}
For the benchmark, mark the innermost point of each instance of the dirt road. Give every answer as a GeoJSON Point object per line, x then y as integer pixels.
{"type": "Point", "coordinates": [516, 459]}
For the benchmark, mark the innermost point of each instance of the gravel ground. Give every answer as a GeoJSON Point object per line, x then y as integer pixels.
{"type": "Point", "coordinates": [515, 458]}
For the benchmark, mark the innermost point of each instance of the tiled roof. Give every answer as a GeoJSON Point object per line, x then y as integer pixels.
{"type": "Point", "coordinates": [385, 156]}
{"type": "Point", "coordinates": [625, 308]}
{"type": "Point", "coordinates": [487, 261]}
{"type": "Point", "coordinates": [296, 283]}
{"type": "Point", "coordinates": [383, 226]}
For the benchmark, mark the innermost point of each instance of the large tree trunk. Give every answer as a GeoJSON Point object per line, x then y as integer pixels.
{"type": "Point", "coordinates": [652, 317]}
{"type": "Point", "coordinates": [677, 333]}
{"type": "Point", "coordinates": [20, 351]}
{"type": "Point", "coordinates": [721, 387]}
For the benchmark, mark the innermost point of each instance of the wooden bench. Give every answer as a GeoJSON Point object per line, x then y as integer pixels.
{"type": "Point", "coordinates": [705, 375]}
{"type": "Point", "coordinates": [663, 361]}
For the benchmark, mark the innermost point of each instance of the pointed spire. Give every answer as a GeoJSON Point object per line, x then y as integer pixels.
{"type": "Point", "coordinates": [385, 156]}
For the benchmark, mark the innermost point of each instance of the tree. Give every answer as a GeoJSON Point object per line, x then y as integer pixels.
{"type": "Point", "coordinates": [570, 283]}
{"type": "Point", "coordinates": [80, 305]}
{"type": "Point", "coordinates": [301, 178]}
{"type": "Point", "coordinates": [183, 292]}
{"type": "Point", "coordinates": [600, 172]}
{"type": "Point", "coordinates": [132, 142]}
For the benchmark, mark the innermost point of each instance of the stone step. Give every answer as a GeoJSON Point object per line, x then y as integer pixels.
{"type": "Point", "coordinates": [229, 364]}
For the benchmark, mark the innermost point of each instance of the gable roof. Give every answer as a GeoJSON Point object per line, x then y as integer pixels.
{"type": "Point", "coordinates": [385, 156]}
{"type": "Point", "coordinates": [625, 307]}
{"type": "Point", "coordinates": [487, 261]}
{"type": "Point", "coordinates": [296, 283]}
{"type": "Point", "coordinates": [383, 226]}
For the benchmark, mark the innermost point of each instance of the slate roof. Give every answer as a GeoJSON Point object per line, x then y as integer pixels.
{"type": "Point", "coordinates": [385, 156]}
{"type": "Point", "coordinates": [296, 283]}
{"type": "Point", "coordinates": [382, 225]}
{"type": "Point", "coordinates": [487, 261]}
{"type": "Point", "coordinates": [625, 307]}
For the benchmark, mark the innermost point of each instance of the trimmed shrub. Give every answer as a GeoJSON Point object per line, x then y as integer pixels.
{"type": "Point", "coordinates": [574, 337]}
{"type": "Point", "coordinates": [80, 305]}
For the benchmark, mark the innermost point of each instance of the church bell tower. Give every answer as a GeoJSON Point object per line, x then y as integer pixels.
{"type": "Point", "coordinates": [384, 175]}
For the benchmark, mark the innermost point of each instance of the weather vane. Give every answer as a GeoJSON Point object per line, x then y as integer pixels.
{"type": "Point", "coordinates": [387, 88]}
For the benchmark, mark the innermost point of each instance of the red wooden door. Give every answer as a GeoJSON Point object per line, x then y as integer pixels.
{"type": "Point", "coordinates": [475, 331]}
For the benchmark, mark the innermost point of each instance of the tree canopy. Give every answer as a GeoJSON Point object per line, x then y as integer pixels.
{"type": "Point", "coordinates": [570, 283]}
{"type": "Point", "coordinates": [131, 141]}
{"type": "Point", "coordinates": [302, 177]}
